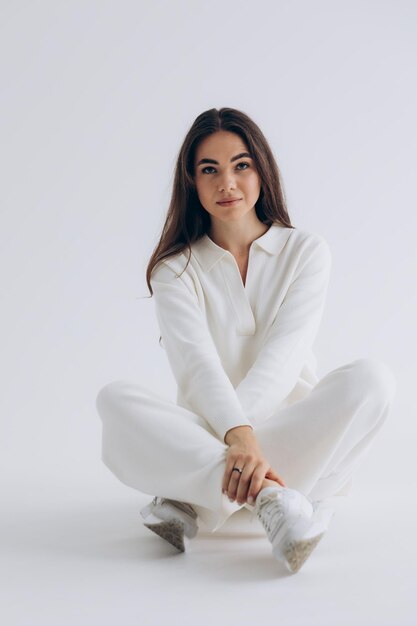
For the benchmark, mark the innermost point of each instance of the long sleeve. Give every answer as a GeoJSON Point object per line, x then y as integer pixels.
{"type": "Point", "coordinates": [278, 364]}
{"type": "Point", "coordinates": [192, 354]}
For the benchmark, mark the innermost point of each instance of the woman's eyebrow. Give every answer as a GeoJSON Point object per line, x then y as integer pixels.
{"type": "Point", "coordinates": [237, 156]}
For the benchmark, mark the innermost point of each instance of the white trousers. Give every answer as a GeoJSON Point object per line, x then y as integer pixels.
{"type": "Point", "coordinates": [159, 448]}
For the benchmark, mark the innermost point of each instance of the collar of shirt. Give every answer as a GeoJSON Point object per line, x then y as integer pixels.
{"type": "Point", "coordinates": [209, 253]}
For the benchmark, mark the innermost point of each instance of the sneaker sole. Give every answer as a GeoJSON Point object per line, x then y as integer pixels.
{"type": "Point", "coordinates": [190, 526]}
{"type": "Point", "coordinates": [301, 541]}
{"type": "Point", "coordinates": [297, 552]}
{"type": "Point", "coordinates": [172, 531]}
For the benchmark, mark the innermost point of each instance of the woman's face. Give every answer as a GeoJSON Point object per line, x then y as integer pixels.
{"type": "Point", "coordinates": [220, 175]}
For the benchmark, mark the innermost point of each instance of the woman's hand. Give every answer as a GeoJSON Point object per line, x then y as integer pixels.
{"type": "Point", "coordinates": [245, 453]}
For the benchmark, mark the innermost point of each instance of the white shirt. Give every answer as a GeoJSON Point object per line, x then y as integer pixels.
{"type": "Point", "coordinates": [240, 352]}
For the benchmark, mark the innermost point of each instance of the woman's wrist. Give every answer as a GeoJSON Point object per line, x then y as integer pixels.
{"type": "Point", "coordinates": [237, 434]}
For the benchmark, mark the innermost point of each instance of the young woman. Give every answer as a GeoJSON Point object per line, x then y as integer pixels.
{"type": "Point", "coordinates": [239, 294]}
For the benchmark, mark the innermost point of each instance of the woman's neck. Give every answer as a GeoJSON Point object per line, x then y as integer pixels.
{"type": "Point", "coordinates": [237, 239]}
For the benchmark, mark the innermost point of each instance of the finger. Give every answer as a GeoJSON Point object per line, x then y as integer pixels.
{"type": "Point", "coordinates": [244, 483]}
{"type": "Point", "coordinates": [277, 479]}
{"type": "Point", "coordinates": [231, 462]}
{"type": "Point", "coordinates": [272, 475]}
{"type": "Point", "coordinates": [256, 483]}
{"type": "Point", "coordinates": [233, 485]}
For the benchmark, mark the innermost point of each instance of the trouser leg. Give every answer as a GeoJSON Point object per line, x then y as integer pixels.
{"type": "Point", "coordinates": [159, 448]}
{"type": "Point", "coordinates": [153, 445]}
{"type": "Point", "coordinates": [316, 444]}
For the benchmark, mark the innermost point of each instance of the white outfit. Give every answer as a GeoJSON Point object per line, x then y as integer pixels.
{"type": "Point", "coordinates": [242, 355]}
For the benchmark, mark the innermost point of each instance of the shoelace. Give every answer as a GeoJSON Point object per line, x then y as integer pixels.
{"type": "Point", "coordinates": [271, 516]}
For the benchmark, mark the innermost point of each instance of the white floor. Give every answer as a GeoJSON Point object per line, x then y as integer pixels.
{"type": "Point", "coordinates": [78, 554]}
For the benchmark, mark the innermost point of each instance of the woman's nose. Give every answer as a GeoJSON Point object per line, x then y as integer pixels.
{"type": "Point", "coordinates": [228, 182]}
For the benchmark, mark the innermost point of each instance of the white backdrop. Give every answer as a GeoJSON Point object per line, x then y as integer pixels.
{"type": "Point", "coordinates": [96, 98]}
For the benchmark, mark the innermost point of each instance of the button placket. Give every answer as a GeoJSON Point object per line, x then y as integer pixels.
{"type": "Point", "coordinates": [255, 278]}
{"type": "Point", "coordinates": [238, 295]}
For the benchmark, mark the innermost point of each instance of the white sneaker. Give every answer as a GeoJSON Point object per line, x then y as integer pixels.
{"type": "Point", "coordinates": [294, 524]}
{"type": "Point", "coordinates": [172, 520]}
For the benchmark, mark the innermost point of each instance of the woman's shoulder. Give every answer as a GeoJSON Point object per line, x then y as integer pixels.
{"type": "Point", "coordinates": [303, 235]}
{"type": "Point", "coordinates": [310, 249]}
{"type": "Point", "coordinates": [308, 240]}
{"type": "Point", "coordinates": [172, 267]}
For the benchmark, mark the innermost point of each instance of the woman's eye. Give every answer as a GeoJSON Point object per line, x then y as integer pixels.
{"type": "Point", "coordinates": [209, 167]}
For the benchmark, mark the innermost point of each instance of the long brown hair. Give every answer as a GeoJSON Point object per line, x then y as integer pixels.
{"type": "Point", "coordinates": [187, 220]}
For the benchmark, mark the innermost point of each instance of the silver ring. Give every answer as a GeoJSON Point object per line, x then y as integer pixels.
{"type": "Point", "coordinates": [239, 470]}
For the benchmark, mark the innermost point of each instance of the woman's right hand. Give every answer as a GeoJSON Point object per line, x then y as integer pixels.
{"type": "Point", "coordinates": [245, 453]}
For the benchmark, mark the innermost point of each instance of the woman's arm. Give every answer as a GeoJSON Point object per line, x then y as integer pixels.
{"type": "Point", "coordinates": [192, 355]}
{"type": "Point", "coordinates": [290, 338]}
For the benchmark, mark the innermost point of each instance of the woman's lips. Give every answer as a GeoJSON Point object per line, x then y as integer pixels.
{"type": "Point", "coordinates": [230, 202]}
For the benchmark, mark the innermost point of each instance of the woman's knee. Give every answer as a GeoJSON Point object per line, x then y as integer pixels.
{"type": "Point", "coordinates": [371, 376]}
{"type": "Point", "coordinates": [110, 394]}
